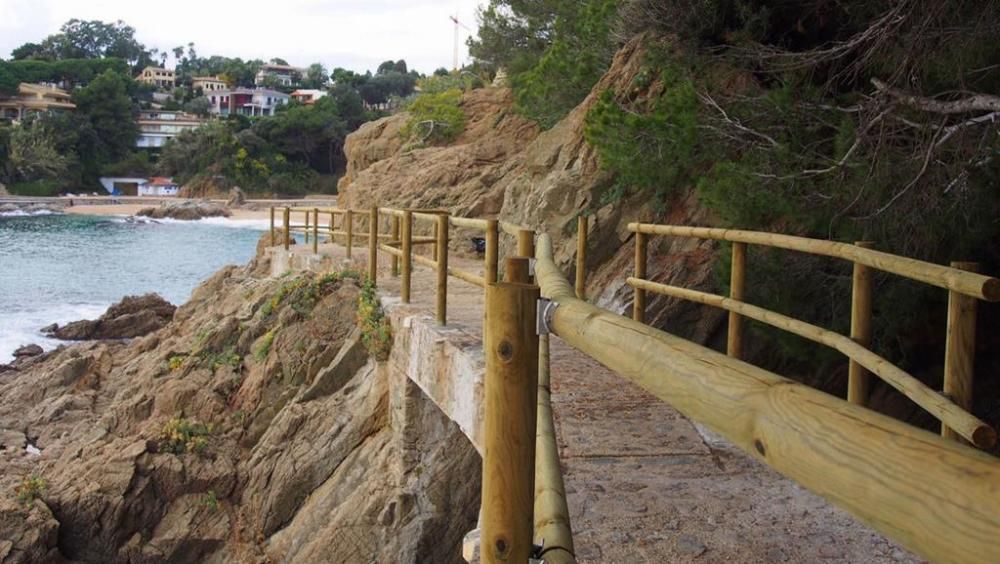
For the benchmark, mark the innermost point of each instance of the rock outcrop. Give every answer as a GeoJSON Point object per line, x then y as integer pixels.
{"type": "Point", "coordinates": [133, 316]}
{"type": "Point", "coordinates": [502, 166]}
{"type": "Point", "coordinates": [253, 427]}
{"type": "Point", "coordinates": [237, 197]}
{"type": "Point", "coordinates": [186, 210]}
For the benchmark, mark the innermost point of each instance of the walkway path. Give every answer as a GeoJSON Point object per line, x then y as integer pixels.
{"type": "Point", "coordinates": [644, 483]}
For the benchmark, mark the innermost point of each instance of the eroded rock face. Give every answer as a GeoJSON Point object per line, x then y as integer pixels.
{"type": "Point", "coordinates": [186, 210]}
{"type": "Point", "coordinates": [237, 197]}
{"type": "Point", "coordinates": [134, 316]}
{"type": "Point", "coordinates": [503, 167]}
{"type": "Point", "coordinates": [253, 427]}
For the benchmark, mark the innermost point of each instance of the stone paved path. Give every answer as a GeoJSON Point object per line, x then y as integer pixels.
{"type": "Point", "coordinates": [645, 484]}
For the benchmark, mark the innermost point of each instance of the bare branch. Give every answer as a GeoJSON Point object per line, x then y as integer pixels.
{"type": "Point", "coordinates": [975, 103]}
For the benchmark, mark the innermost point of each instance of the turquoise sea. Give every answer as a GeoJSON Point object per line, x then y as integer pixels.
{"type": "Point", "coordinates": [60, 268]}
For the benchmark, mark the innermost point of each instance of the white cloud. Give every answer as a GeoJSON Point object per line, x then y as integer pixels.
{"type": "Point", "coordinates": [355, 34]}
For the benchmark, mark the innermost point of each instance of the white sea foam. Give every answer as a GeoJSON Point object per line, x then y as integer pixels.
{"type": "Point", "coordinates": [255, 224]}
{"type": "Point", "coordinates": [22, 327]}
{"type": "Point", "coordinates": [22, 213]}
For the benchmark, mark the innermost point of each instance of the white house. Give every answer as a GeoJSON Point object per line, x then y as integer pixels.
{"type": "Point", "coordinates": [156, 127]}
{"type": "Point", "coordinates": [308, 96]}
{"type": "Point", "coordinates": [247, 102]}
{"type": "Point", "coordinates": [284, 75]}
{"type": "Point", "coordinates": [159, 186]}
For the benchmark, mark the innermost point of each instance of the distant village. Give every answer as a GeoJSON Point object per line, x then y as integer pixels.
{"type": "Point", "coordinates": [157, 125]}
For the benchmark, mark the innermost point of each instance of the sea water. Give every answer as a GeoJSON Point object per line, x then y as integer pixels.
{"type": "Point", "coordinates": [60, 268]}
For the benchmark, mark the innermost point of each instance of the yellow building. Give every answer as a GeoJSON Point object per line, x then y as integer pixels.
{"type": "Point", "coordinates": [34, 98]}
{"type": "Point", "coordinates": [208, 84]}
{"type": "Point", "coordinates": [162, 78]}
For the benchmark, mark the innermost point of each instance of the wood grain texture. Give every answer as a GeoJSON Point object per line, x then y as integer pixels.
{"type": "Point", "coordinates": [510, 397]}
{"type": "Point", "coordinates": [960, 349]}
{"type": "Point", "coordinates": [638, 294]}
{"type": "Point", "coordinates": [441, 255]}
{"type": "Point", "coordinates": [737, 290]}
{"type": "Point", "coordinates": [858, 384]}
{"type": "Point", "coordinates": [937, 498]}
{"type": "Point", "coordinates": [966, 424]}
{"type": "Point", "coordinates": [492, 256]}
{"type": "Point", "coordinates": [967, 283]}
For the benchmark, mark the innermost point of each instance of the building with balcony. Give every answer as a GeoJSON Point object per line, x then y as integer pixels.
{"type": "Point", "coordinates": [308, 97]}
{"type": "Point", "coordinates": [208, 84]}
{"type": "Point", "coordinates": [158, 77]}
{"type": "Point", "coordinates": [34, 98]}
{"type": "Point", "coordinates": [246, 102]}
{"type": "Point", "coordinates": [282, 75]}
{"type": "Point", "coordinates": [156, 127]}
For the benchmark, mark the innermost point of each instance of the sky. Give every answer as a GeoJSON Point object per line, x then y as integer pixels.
{"type": "Point", "coordinates": [354, 34]}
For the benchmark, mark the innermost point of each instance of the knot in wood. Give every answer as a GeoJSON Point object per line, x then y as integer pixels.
{"type": "Point", "coordinates": [505, 351]}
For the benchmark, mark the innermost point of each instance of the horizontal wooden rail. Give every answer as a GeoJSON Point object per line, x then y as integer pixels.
{"type": "Point", "coordinates": [480, 224]}
{"type": "Point", "coordinates": [963, 422]}
{"type": "Point", "coordinates": [391, 250]}
{"type": "Point", "coordinates": [467, 276]}
{"type": "Point", "coordinates": [937, 498]}
{"type": "Point", "coordinates": [553, 531]}
{"type": "Point", "coordinates": [512, 228]}
{"type": "Point", "coordinates": [968, 283]}
{"type": "Point", "coordinates": [426, 261]}
{"type": "Point", "coordinates": [391, 212]}
{"type": "Point", "coordinates": [428, 216]}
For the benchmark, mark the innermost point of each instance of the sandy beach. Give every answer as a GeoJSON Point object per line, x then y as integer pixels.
{"type": "Point", "coordinates": [103, 206]}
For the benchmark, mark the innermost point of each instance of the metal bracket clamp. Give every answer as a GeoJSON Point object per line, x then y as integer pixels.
{"type": "Point", "coordinates": [531, 266]}
{"type": "Point", "coordinates": [546, 310]}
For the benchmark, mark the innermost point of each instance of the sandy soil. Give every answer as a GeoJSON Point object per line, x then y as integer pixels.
{"type": "Point", "coordinates": [132, 209]}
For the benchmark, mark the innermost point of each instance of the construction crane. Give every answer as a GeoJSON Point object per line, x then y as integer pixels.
{"type": "Point", "coordinates": [458, 37]}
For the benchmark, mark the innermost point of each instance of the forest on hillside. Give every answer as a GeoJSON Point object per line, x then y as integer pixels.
{"type": "Point", "coordinates": [298, 150]}
{"type": "Point", "coordinates": [843, 119]}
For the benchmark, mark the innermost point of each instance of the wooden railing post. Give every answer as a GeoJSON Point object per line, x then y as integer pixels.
{"type": "Point", "coordinates": [638, 294]}
{"type": "Point", "coordinates": [349, 220]}
{"type": "Point", "coordinates": [373, 243]}
{"type": "Point", "coordinates": [437, 235]}
{"type": "Point", "coordinates": [492, 257]}
{"type": "Point", "coordinates": [858, 379]}
{"type": "Point", "coordinates": [526, 243]}
{"type": "Point", "coordinates": [272, 226]}
{"type": "Point", "coordinates": [407, 248]}
{"type": "Point", "coordinates": [331, 227]}
{"type": "Point", "coordinates": [960, 348]}
{"type": "Point", "coordinates": [315, 229]}
{"type": "Point", "coordinates": [441, 252]}
{"type": "Point", "coordinates": [306, 230]}
{"type": "Point", "coordinates": [581, 257]}
{"type": "Point", "coordinates": [510, 396]}
{"type": "Point", "coordinates": [394, 232]}
{"type": "Point", "coordinates": [288, 228]}
{"type": "Point", "coordinates": [737, 291]}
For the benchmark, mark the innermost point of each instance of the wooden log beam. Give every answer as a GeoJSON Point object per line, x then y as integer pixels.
{"type": "Point", "coordinates": [552, 525]}
{"type": "Point", "coordinates": [858, 384]}
{"type": "Point", "coordinates": [936, 497]}
{"type": "Point", "coordinates": [967, 425]}
{"type": "Point", "coordinates": [510, 391]}
{"type": "Point", "coordinates": [441, 252]}
{"type": "Point", "coordinates": [960, 350]}
{"type": "Point", "coordinates": [581, 257]}
{"type": "Point", "coordinates": [288, 227]}
{"type": "Point", "coordinates": [638, 294]}
{"type": "Point", "coordinates": [968, 283]}
{"type": "Point", "coordinates": [406, 256]}
{"type": "Point", "coordinates": [737, 290]}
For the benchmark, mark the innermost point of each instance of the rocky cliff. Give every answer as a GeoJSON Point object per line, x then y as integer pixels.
{"type": "Point", "coordinates": [253, 427]}
{"type": "Point", "coordinates": [503, 166]}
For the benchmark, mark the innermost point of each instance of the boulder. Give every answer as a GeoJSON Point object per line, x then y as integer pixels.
{"type": "Point", "coordinates": [27, 351]}
{"type": "Point", "coordinates": [134, 316]}
{"type": "Point", "coordinates": [236, 197]}
{"type": "Point", "coordinates": [3, 190]}
{"type": "Point", "coordinates": [186, 210]}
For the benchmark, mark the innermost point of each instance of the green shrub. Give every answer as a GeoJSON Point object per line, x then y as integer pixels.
{"type": "Point", "coordinates": [651, 148]}
{"type": "Point", "coordinates": [36, 189]}
{"type": "Point", "coordinates": [30, 489]}
{"type": "Point", "coordinates": [376, 333]}
{"type": "Point", "coordinates": [435, 118]}
{"type": "Point", "coordinates": [265, 345]}
{"type": "Point", "coordinates": [210, 500]}
{"type": "Point", "coordinates": [176, 362]}
{"type": "Point", "coordinates": [180, 435]}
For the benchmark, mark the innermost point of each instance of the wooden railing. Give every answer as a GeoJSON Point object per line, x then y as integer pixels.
{"type": "Point", "coordinates": [934, 496]}
{"type": "Point", "coordinates": [951, 408]}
